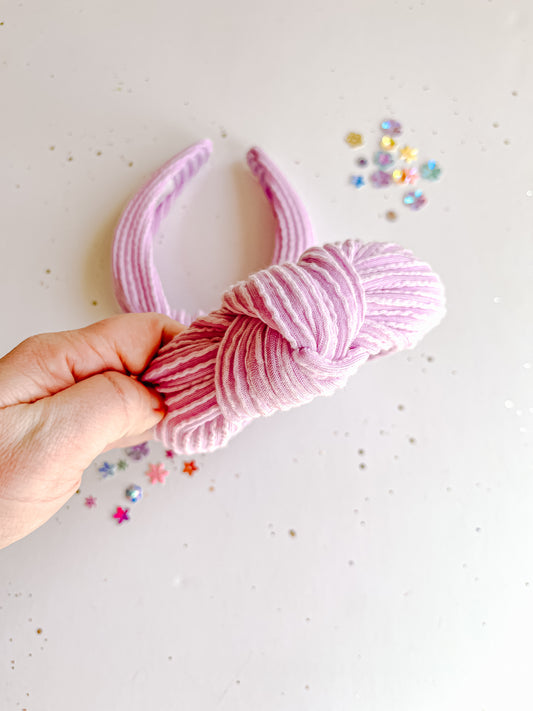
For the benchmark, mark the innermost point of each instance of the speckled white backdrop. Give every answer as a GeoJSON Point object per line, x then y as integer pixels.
{"type": "Point", "coordinates": [408, 584]}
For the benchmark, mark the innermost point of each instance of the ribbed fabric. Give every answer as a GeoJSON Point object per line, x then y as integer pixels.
{"type": "Point", "coordinates": [285, 335]}
{"type": "Point", "coordinates": [138, 287]}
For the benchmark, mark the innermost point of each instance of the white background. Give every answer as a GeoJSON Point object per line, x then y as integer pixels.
{"type": "Point", "coordinates": [409, 583]}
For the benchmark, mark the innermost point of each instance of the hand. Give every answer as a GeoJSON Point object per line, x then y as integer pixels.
{"type": "Point", "coordinates": [64, 399]}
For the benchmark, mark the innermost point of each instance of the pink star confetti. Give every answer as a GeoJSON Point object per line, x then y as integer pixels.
{"type": "Point", "coordinates": [121, 514]}
{"type": "Point", "coordinates": [169, 454]}
{"type": "Point", "coordinates": [157, 472]}
{"type": "Point", "coordinates": [90, 501]}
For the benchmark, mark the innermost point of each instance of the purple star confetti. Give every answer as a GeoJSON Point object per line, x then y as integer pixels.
{"type": "Point", "coordinates": [90, 502]}
{"type": "Point", "coordinates": [121, 514]}
{"type": "Point", "coordinates": [107, 470]}
{"type": "Point", "coordinates": [380, 179]}
{"type": "Point", "coordinates": [138, 451]}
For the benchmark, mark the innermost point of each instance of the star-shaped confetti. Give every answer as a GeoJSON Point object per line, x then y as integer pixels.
{"type": "Point", "coordinates": [409, 154]}
{"type": "Point", "coordinates": [138, 451]}
{"type": "Point", "coordinates": [90, 501]}
{"type": "Point", "coordinates": [190, 467]}
{"type": "Point", "coordinates": [355, 140]}
{"type": "Point", "coordinates": [121, 514]}
{"type": "Point", "coordinates": [157, 472]}
{"type": "Point", "coordinates": [122, 464]}
{"type": "Point", "coordinates": [357, 180]}
{"type": "Point", "coordinates": [107, 469]}
{"type": "Point", "coordinates": [169, 454]}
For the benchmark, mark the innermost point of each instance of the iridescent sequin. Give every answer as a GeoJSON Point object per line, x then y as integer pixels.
{"type": "Point", "coordinates": [380, 179]}
{"type": "Point", "coordinates": [392, 127]}
{"type": "Point", "coordinates": [383, 159]}
{"type": "Point", "coordinates": [387, 143]}
{"type": "Point", "coordinates": [398, 175]}
{"type": "Point", "coordinates": [430, 170]}
{"type": "Point", "coordinates": [415, 200]}
{"type": "Point", "coordinates": [409, 154]}
{"type": "Point", "coordinates": [355, 140]}
{"type": "Point", "coordinates": [134, 493]}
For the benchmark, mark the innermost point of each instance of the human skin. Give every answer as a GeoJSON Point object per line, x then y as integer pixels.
{"type": "Point", "coordinates": [64, 399]}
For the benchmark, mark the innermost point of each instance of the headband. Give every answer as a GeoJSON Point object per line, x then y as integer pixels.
{"type": "Point", "coordinates": [288, 333]}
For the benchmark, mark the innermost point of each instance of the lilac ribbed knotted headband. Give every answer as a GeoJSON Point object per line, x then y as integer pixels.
{"type": "Point", "coordinates": [285, 335]}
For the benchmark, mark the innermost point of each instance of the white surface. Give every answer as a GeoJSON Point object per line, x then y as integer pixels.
{"type": "Point", "coordinates": [204, 601]}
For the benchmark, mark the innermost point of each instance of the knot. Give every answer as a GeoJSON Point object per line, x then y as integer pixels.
{"type": "Point", "coordinates": [289, 333]}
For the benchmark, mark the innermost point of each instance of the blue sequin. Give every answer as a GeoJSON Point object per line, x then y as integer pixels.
{"type": "Point", "coordinates": [357, 180]}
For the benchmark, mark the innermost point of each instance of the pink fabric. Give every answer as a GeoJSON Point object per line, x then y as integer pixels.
{"type": "Point", "coordinates": [283, 336]}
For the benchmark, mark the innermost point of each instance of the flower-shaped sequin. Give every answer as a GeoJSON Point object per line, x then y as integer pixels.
{"type": "Point", "coordinates": [383, 159]}
{"type": "Point", "coordinates": [380, 179]}
{"type": "Point", "coordinates": [408, 154]}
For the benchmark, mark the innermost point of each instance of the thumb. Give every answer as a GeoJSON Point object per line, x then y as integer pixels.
{"type": "Point", "coordinates": [99, 411]}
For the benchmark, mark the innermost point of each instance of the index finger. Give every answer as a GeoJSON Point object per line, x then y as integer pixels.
{"type": "Point", "coordinates": [48, 363]}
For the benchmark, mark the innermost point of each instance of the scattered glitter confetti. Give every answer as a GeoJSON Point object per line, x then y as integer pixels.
{"type": "Point", "coordinates": [122, 464]}
{"type": "Point", "coordinates": [157, 472]}
{"type": "Point", "coordinates": [380, 179]}
{"type": "Point", "coordinates": [90, 501]}
{"type": "Point", "coordinates": [409, 154]}
{"type": "Point", "coordinates": [121, 514]}
{"type": "Point", "coordinates": [39, 630]}
{"type": "Point", "coordinates": [138, 451]}
{"type": "Point", "coordinates": [292, 533]}
{"type": "Point", "coordinates": [392, 127]}
{"type": "Point", "coordinates": [169, 454]}
{"type": "Point", "coordinates": [430, 170]}
{"type": "Point", "coordinates": [107, 469]}
{"type": "Point", "coordinates": [389, 172]}
{"type": "Point", "coordinates": [387, 143]}
{"type": "Point", "coordinates": [358, 181]}
{"type": "Point", "coordinates": [415, 200]}
{"type": "Point", "coordinates": [383, 159]}
{"type": "Point", "coordinates": [355, 140]}
{"type": "Point", "coordinates": [134, 493]}
{"type": "Point", "coordinates": [190, 467]}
